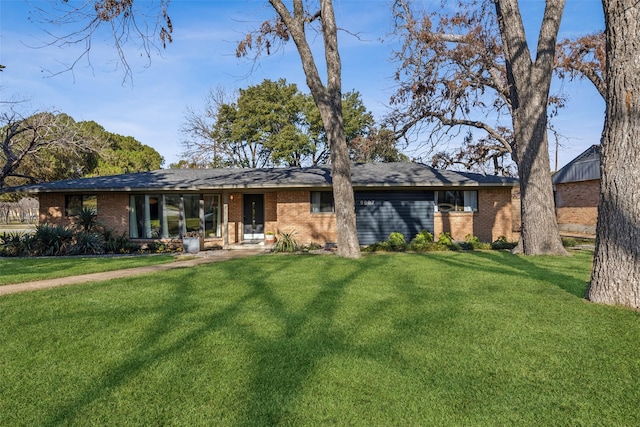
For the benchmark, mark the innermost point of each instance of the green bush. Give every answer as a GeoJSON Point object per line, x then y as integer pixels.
{"type": "Point", "coordinates": [16, 244]}
{"type": "Point", "coordinates": [86, 220]}
{"type": "Point", "coordinates": [445, 239]}
{"type": "Point", "coordinates": [422, 242]}
{"type": "Point", "coordinates": [285, 242]}
{"type": "Point", "coordinates": [502, 243]}
{"type": "Point", "coordinates": [396, 242]}
{"type": "Point", "coordinates": [52, 240]}
{"type": "Point", "coordinates": [473, 243]}
{"type": "Point", "coordinates": [377, 247]}
{"type": "Point", "coordinates": [87, 243]}
{"type": "Point", "coordinates": [569, 242]}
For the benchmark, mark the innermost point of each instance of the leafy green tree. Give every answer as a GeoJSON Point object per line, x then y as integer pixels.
{"type": "Point", "coordinates": [270, 124]}
{"type": "Point", "coordinates": [119, 154]}
{"type": "Point", "coordinates": [53, 146]}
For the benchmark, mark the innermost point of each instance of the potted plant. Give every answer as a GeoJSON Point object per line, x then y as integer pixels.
{"type": "Point", "coordinates": [191, 242]}
{"type": "Point", "coordinates": [269, 238]}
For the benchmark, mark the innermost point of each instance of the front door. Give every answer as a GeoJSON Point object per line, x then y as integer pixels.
{"type": "Point", "coordinates": [253, 216]}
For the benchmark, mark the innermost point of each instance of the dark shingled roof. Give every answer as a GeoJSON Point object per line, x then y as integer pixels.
{"type": "Point", "coordinates": [585, 167]}
{"type": "Point", "coordinates": [364, 175]}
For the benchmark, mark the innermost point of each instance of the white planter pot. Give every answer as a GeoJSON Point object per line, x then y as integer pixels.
{"type": "Point", "coordinates": [191, 245]}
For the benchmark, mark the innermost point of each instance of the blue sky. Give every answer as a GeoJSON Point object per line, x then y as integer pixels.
{"type": "Point", "coordinates": [152, 107]}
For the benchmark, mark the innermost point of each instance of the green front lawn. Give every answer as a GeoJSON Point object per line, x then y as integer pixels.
{"type": "Point", "coordinates": [19, 270]}
{"type": "Point", "coordinates": [480, 338]}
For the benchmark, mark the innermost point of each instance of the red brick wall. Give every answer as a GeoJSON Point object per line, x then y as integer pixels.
{"type": "Point", "coordinates": [294, 214]}
{"type": "Point", "coordinates": [577, 206]}
{"type": "Point", "coordinates": [493, 219]}
{"type": "Point", "coordinates": [113, 212]}
{"type": "Point", "coordinates": [235, 218]}
{"type": "Point", "coordinates": [271, 212]}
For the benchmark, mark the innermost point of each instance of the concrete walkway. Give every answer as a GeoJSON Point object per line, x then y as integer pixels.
{"type": "Point", "coordinates": [200, 258]}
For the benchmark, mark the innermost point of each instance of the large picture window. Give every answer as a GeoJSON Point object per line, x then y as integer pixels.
{"type": "Point", "coordinates": [168, 216]}
{"type": "Point", "coordinates": [74, 203]}
{"type": "Point", "coordinates": [322, 202]}
{"type": "Point", "coordinates": [456, 201]}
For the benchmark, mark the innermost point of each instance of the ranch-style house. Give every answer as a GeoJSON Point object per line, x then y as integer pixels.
{"type": "Point", "coordinates": [230, 206]}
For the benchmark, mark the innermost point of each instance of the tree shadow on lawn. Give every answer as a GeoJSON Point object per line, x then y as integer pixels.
{"type": "Point", "coordinates": [282, 364]}
{"type": "Point", "coordinates": [504, 263]}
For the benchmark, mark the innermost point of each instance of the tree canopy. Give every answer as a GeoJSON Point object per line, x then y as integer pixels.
{"type": "Point", "coordinates": [49, 146]}
{"type": "Point", "coordinates": [274, 124]}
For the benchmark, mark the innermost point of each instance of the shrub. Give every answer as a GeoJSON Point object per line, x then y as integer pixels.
{"type": "Point", "coordinates": [569, 242]}
{"type": "Point", "coordinates": [445, 239]}
{"type": "Point", "coordinates": [285, 242]}
{"type": "Point", "coordinates": [314, 246]}
{"type": "Point", "coordinates": [86, 220]}
{"type": "Point", "coordinates": [16, 244]}
{"type": "Point", "coordinates": [396, 242]}
{"type": "Point", "coordinates": [87, 243]}
{"type": "Point", "coordinates": [423, 242]}
{"type": "Point", "coordinates": [502, 243]}
{"type": "Point", "coordinates": [52, 240]}
{"type": "Point", "coordinates": [377, 247]}
{"type": "Point", "coordinates": [473, 243]}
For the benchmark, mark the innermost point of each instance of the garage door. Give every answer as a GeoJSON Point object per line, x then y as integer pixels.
{"type": "Point", "coordinates": [379, 213]}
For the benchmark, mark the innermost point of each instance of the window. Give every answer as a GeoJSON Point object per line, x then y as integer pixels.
{"type": "Point", "coordinates": [322, 202]}
{"type": "Point", "coordinates": [456, 201]}
{"type": "Point", "coordinates": [73, 203]}
{"type": "Point", "coordinates": [211, 215]}
{"type": "Point", "coordinates": [144, 217]}
{"type": "Point", "coordinates": [168, 216]}
{"type": "Point", "coordinates": [191, 205]}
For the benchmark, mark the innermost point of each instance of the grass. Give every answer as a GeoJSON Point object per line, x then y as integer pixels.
{"type": "Point", "coordinates": [19, 270]}
{"type": "Point", "coordinates": [481, 338]}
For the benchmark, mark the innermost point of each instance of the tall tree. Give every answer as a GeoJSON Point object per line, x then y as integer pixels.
{"type": "Point", "coordinates": [529, 84]}
{"type": "Point", "coordinates": [328, 97]}
{"type": "Point", "coordinates": [465, 57]}
{"type": "Point", "coordinates": [616, 271]}
{"type": "Point", "coordinates": [264, 126]}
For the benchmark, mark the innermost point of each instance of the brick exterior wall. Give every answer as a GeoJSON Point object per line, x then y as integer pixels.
{"type": "Point", "coordinates": [52, 209]}
{"type": "Point", "coordinates": [288, 211]}
{"type": "Point", "coordinates": [577, 206]}
{"type": "Point", "coordinates": [294, 214]}
{"type": "Point", "coordinates": [493, 219]}
{"type": "Point", "coordinates": [113, 212]}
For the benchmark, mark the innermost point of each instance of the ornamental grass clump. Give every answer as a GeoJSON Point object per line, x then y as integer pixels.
{"type": "Point", "coordinates": [286, 242]}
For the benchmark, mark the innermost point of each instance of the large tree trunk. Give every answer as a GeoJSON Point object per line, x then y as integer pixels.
{"type": "Point", "coordinates": [529, 83]}
{"type": "Point", "coordinates": [615, 278]}
{"type": "Point", "coordinates": [329, 101]}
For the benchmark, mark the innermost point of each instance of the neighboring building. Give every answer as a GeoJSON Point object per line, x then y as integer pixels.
{"type": "Point", "coordinates": [577, 190]}
{"type": "Point", "coordinates": [231, 206]}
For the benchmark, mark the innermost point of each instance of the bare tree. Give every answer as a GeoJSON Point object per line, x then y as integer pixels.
{"type": "Point", "coordinates": [328, 97]}
{"type": "Point", "coordinates": [584, 57]}
{"type": "Point", "coordinates": [616, 271]}
{"type": "Point", "coordinates": [478, 59]}
{"type": "Point", "coordinates": [451, 77]}
{"type": "Point", "coordinates": [25, 139]}
{"type": "Point", "coordinates": [529, 84]}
